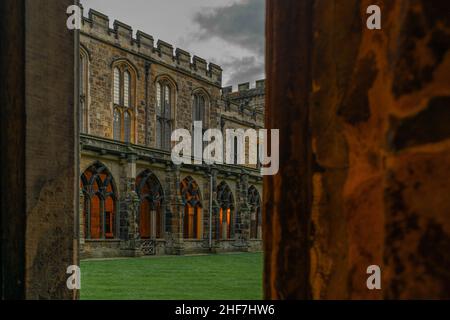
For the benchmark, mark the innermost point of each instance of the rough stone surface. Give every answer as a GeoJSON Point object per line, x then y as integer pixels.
{"type": "Point", "coordinates": [51, 151]}
{"type": "Point", "coordinates": [378, 119]}
{"type": "Point", "coordinates": [225, 109]}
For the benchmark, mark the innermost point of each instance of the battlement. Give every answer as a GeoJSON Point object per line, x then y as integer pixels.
{"type": "Point", "coordinates": [97, 25]}
{"type": "Point", "coordinates": [244, 89]}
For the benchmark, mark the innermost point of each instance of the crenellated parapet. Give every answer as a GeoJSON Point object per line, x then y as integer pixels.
{"type": "Point", "coordinates": [244, 106]}
{"type": "Point", "coordinates": [97, 25]}
{"type": "Point", "coordinates": [244, 90]}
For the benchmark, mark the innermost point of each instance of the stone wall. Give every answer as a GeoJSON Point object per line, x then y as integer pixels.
{"type": "Point", "coordinates": [170, 177]}
{"type": "Point", "coordinates": [369, 164]}
{"type": "Point", "coordinates": [39, 157]}
{"type": "Point", "coordinates": [389, 126]}
{"type": "Point", "coordinates": [104, 46]}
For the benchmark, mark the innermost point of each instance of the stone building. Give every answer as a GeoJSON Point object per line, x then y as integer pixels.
{"type": "Point", "coordinates": [134, 200]}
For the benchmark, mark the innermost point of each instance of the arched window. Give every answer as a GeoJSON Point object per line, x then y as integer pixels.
{"type": "Point", "coordinates": [84, 83]}
{"type": "Point", "coordinates": [164, 105]}
{"type": "Point", "coordinates": [225, 220]}
{"type": "Point", "coordinates": [117, 125]}
{"type": "Point", "coordinates": [254, 201]}
{"type": "Point", "coordinates": [199, 107]}
{"type": "Point", "coordinates": [151, 220]}
{"type": "Point", "coordinates": [126, 89]}
{"type": "Point", "coordinates": [117, 82]}
{"type": "Point", "coordinates": [124, 84]}
{"type": "Point", "coordinates": [99, 207]}
{"type": "Point", "coordinates": [192, 222]}
{"type": "Point", "coordinates": [127, 126]}
{"type": "Point", "coordinates": [198, 114]}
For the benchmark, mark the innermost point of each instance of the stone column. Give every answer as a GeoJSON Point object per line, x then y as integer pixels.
{"type": "Point", "coordinates": [132, 243]}
{"type": "Point", "coordinates": [39, 143]}
{"type": "Point", "coordinates": [244, 227]}
{"type": "Point", "coordinates": [364, 160]}
{"type": "Point", "coordinates": [153, 223]}
{"type": "Point", "coordinates": [129, 207]}
{"type": "Point", "coordinates": [208, 226]}
{"type": "Point", "coordinates": [242, 223]}
{"type": "Point", "coordinates": [215, 224]}
{"type": "Point", "coordinates": [176, 208]}
{"type": "Point", "coordinates": [287, 195]}
{"type": "Point", "coordinates": [215, 211]}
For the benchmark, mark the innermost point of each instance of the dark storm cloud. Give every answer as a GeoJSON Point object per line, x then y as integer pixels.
{"type": "Point", "coordinates": [243, 70]}
{"type": "Point", "coordinates": [241, 24]}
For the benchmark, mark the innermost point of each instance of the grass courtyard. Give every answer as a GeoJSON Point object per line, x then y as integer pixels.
{"type": "Point", "coordinates": [223, 276]}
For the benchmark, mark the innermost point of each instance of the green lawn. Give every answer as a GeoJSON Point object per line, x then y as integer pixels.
{"type": "Point", "coordinates": [223, 276]}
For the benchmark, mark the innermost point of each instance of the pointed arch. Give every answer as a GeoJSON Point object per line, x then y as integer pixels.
{"type": "Point", "coordinates": [201, 106]}
{"type": "Point", "coordinates": [84, 50]}
{"type": "Point", "coordinates": [192, 219]}
{"type": "Point", "coordinates": [100, 209]}
{"type": "Point", "coordinates": [165, 88]}
{"type": "Point", "coordinates": [151, 215]}
{"type": "Point", "coordinates": [124, 98]}
{"type": "Point", "coordinates": [226, 217]}
{"type": "Point", "coordinates": [165, 78]}
{"type": "Point", "coordinates": [130, 65]}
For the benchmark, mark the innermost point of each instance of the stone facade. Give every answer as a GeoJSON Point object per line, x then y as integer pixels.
{"type": "Point", "coordinates": [365, 153]}
{"type": "Point", "coordinates": [133, 199]}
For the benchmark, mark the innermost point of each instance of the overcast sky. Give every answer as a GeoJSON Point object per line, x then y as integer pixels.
{"type": "Point", "coordinates": [229, 33]}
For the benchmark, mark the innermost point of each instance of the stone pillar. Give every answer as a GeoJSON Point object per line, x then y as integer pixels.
{"type": "Point", "coordinates": [209, 226]}
{"type": "Point", "coordinates": [244, 225]}
{"type": "Point", "coordinates": [365, 150]}
{"type": "Point", "coordinates": [129, 207]}
{"type": "Point", "coordinates": [39, 143]}
{"type": "Point", "coordinates": [242, 211]}
{"type": "Point", "coordinates": [176, 208]}
{"type": "Point", "coordinates": [215, 227]}
{"type": "Point", "coordinates": [153, 223]}
{"type": "Point", "coordinates": [287, 195]}
{"type": "Point", "coordinates": [215, 210]}
{"type": "Point", "coordinates": [132, 243]}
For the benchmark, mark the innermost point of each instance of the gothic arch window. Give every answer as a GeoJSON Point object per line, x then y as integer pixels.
{"type": "Point", "coordinates": [100, 203]}
{"type": "Point", "coordinates": [254, 200]}
{"type": "Point", "coordinates": [124, 88]}
{"type": "Point", "coordinates": [199, 112]}
{"type": "Point", "coordinates": [84, 88]}
{"type": "Point", "coordinates": [165, 103]}
{"type": "Point", "coordinates": [151, 219]}
{"type": "Point", "coordinates": [127, 126]}
{"type": "Point", "coordinates": [117, 125]}
{"type": "Point", "coordinates": [225, 219]}
{"type": "Point", "coordinates": [199, 107]}
{"type": "Point", "coordinates": [191, 197]}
